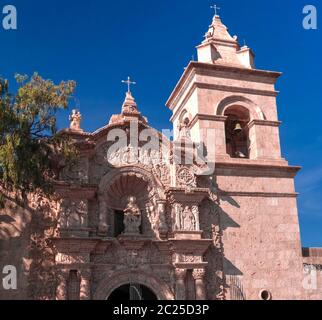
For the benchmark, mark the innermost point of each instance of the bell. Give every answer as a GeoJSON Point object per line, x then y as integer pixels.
{"type": "Point", "coordinates": [238, 128]}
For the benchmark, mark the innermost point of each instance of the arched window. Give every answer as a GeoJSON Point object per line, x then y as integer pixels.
{"type": "Point", "coordinates": [237, 132]}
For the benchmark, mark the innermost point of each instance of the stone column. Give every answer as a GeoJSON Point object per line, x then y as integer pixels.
{"type": "Point", "coordinates": [163, 228]}
{"type": "Point", "coordinates": [195, 211]}
{"type": "Point", "coordinates": [181, 284]}
{"type": "Point", "coordinates": [61, 291]}
{"type": "Point", "coordinates": [85, 284]}
{"type": "Point", "coordinates": [199, 276]}
{"type": "Point", "coordinates": [102, 227]}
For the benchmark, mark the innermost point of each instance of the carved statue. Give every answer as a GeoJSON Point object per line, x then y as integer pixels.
{"type": "Point", "coordinates": [188, 220]}
{"type": "Point", "coordinates": [184, 130]}
{"type": "Point", "coordinates": [75, 120]}
{"type": "Point", "coordinates": [132, 217]}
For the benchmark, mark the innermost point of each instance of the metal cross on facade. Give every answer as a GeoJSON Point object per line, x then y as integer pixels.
{"type": "Point", "coordinates": [128, 82]}
{"type": "Point", "coordinates": [216, 8]}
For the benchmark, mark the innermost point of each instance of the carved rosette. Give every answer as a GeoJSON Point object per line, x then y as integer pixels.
{"type": "Point", "coordinates": [185, 177]}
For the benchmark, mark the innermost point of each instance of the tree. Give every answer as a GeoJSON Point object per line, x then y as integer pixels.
{"type": "Point", "coordinates": [31, 148]}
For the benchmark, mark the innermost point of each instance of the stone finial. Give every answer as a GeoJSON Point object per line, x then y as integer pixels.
{"type": "Point", "coordinates": [129, 104]}
{"type": "Point", "coordinates": [219, 47]}
{"type": "Point", "coordinates": [75, 120]}
{"type": "Point", "coordinates": [218, 31]}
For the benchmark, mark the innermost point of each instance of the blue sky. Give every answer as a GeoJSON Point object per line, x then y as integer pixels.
{"type": "Point", "coordinates": [98, 43]}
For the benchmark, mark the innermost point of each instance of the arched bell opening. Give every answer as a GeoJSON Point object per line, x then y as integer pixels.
{"type": "Point", "coordinates": [237, 131]}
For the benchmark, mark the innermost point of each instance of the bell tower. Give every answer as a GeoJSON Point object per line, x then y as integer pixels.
{"type": "Point", "coordinates": [224, 92]}
{"type": "Point", "coordinates": [231, 107]}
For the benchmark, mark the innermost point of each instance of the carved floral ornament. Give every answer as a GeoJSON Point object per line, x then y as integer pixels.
{"type": "Point", "coordinates": [186, 178]}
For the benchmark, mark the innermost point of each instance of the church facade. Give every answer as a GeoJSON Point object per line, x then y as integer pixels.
{"type": "Point", "coordinates": [210, 215]}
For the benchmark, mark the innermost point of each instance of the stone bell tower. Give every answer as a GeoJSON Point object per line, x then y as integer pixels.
{"type": "Point", "coordinates": [231, 108]}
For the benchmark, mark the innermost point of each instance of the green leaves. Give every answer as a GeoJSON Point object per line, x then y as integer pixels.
{"type": "Point", "coordinates": [31, 150]}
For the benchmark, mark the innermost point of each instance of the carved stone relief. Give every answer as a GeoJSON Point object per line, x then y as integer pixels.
{"type": "Point", "coordinates": [77, 173]}
{"type": "Point", "coordinates": [185, 217]}
{"type": "Point", "coordinates": [186, 177]}
{"type": "Point", "coordinates": [73, 214]}
{"type": "Point", "coordinates": [151, 160]}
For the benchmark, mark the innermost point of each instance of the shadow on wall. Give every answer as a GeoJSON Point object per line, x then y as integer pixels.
{"type": "Point", "coordinates": [23, 244]}
{"type": "Point", "coordinates": [214, 221]}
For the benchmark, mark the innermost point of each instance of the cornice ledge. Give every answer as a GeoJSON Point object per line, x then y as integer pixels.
{"type": "Point", "coordinates": [258, 194]}
{"type": "Point", "coordinates": [270, 93]}
{"type": "Point", "coordinates": [206, 117]}
{"type": "Point", "coordinates": [264, 123]}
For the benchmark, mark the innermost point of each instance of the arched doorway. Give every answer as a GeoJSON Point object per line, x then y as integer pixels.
{"type": "Point", "coordinates": [109, 284]}
{"type": "Point", "coordinates": [132, 292]}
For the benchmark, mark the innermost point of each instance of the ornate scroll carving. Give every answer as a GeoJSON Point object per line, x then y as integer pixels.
{"type": "Point", "coordinates": [152, 160]}
{"type": "Point", "coordinates": [63, 258]}
{"type": "Point", "coordinates": [190, 258]}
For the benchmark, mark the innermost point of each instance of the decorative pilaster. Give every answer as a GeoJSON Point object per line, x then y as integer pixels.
{"type": "Point", "coordinates": [199, 276]}
{"type": "Point", "coordinates": [180, 284]}
{"type": "Point", "coordinates": [103, 226]}
{"type": "Point", "coordinates": [61, 291]}
{"type": "Point", "coordinates": [85, 285]}
{"type": "Point", "coordinates": [163, 228]}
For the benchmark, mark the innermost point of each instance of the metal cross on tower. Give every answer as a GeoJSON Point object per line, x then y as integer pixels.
{"type": "Point", "coordinates": [129, 83]}
{"type": "Point", "coordinates": [216, 8]}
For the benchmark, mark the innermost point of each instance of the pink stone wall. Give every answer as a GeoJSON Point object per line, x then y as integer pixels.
{"type": "Point", "coordinates": [262, 245]}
